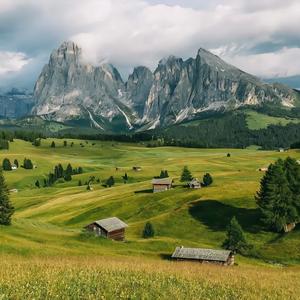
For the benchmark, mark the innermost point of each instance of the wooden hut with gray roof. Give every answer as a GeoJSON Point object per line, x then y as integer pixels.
{"type": "Point", "coordinates": [111, 228]}
{"type": "Point", "coordinates": [222, 257]}
{"type": "Point", "coordinates": [161, 184]}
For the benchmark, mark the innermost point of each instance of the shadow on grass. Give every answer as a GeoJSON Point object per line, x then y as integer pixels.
{"type": "Point", "coordinates": [217, 215]}
{"type": "Point", "coordinates": [166, 256]}
{"type": "Point", "coordinates": [149, 191]}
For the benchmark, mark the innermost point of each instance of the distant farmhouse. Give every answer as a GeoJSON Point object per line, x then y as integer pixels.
{"type": "Point", "coordinates": [161, 184]}
{"type": "Point", "coordinates": [221, 257]}
{"type": "Point", "coordinates": [137, 169]}
{"type": "Point", "coordinates": [111, 228]}
{"type": "Point", "coordinates": [263, 169]}
{"type": "Point", "coordinates": [14, 167]}
{"type": "Point", "coordinates": [282, 150]}
{"type": "Point", "coordinates": [195, 184]}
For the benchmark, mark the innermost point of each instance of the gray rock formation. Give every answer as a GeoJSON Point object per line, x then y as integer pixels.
{"type": "Point", "coordinates": [69, 88]}
{"type": "Point", "coordinates": [182, 89]}
{"type": "Point", "coordinates": [15, 103]}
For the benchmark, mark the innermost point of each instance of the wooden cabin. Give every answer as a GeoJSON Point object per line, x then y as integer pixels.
{"type": "Point", "coordinates": [161, 184]}
{"type": "Point", "coordinates": [111, 228]}
{"type": "Point", "coordinates": [137, 169]}
{"type": "Point", "coordinates": [195, 184]}
{"type": "Point", "coordinates": [221, 257]}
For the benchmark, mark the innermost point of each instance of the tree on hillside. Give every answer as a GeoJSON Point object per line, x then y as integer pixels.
{"type": "Point", "coordinates": [6, 208]}
{"type": "Point", "coordinates": [207, 179]}
{"type": "Point", "coordinates": [235, 239]}
{"type": "Point", "coordinates": [164, 174]}
{"type": "Point", "coordinates": [69, 170]}
{"type": "Point", "coordinates": [79, 182]}
{"type": "Point", "coordinates": [52, 144]}
{"type": "Point", "coordinates": [125, 178]}
{"type": "Point", "coordinates": [27, 164]}
{"type": "Point", "coordinates": [148, 231]}
{"type": "Point", "coordinates": [186, 175]}
{"type": "Point", "coordinates": [37, 142]}
{"type": "Point", "coordinates": [16, 163]}
{"type": "Point", "coordinates": [6, 165]}
{"type": "Point", "coordinates": [279, 197]}
{"type": "Point", "coordinates": [110, 181]}
{"type": "Point", "coordinates": [65, 143]}
{"type": "Point", "coordinates": [37, 184]}
{"type": "Point", "coordinates": [228, 154]}
{"type": "Point", "coordinates": [68, 177]}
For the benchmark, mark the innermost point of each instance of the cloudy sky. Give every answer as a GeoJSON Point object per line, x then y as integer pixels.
{"type": "Point", "coordinates": [259, 36]}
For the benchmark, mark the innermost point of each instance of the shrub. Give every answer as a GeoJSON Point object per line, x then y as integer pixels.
{"type": "Point", "coordinates": [148, 231]}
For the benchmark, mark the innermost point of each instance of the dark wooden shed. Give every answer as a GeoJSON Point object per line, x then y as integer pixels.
{"type": "Point", "coordinates": [222, 257]}
{"type": "Point", "coordinates": [111, 228]}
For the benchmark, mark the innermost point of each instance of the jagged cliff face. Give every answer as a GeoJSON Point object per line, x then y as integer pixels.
{"type": "Point", "coordinates": [177, 90]}
{"type": "Point", "coordinates": [69, 88]}
{"type": "Point", "coordinates": [182, 89]}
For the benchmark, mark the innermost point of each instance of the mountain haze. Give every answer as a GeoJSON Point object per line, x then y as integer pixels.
{"type": "Point", "coordinates": [70, 89]}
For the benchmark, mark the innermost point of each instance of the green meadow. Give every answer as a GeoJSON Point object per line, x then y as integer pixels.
{"type": "Point", "coordinates": [48, 223]}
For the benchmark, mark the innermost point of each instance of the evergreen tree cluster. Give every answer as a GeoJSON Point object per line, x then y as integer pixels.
{"type": "Point", "coordinates": [279, 195]}
{"type": "Point", "coordinates": [7, 165]}
{"type": "Point", "coordinates": [164, 174]}
{"type": "Point", "coordinates": [4, 144]}
{"type": "Point", "coordinates": [37, 142]}
{"type": "Point", "coordinates": [186, 176]}
{"type": "Point", "coordinates": [61, 173]}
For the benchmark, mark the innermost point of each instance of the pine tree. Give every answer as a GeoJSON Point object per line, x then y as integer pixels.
{"type": "Point", "coordinates": [6, 208]}
{"type": "Point", "coordinates": [52, 144]}
{"type": "Point", "coordinates": [37, 142]}
{"type": "Point", "coordinates": [110, 181]}
{"type": "Point", "coordinates": [278, 197]}
{"type": "Point", "coordinates": [37, 184]}
{"type": "Point", "coordinates": [69, 170]}
{"type": "Point", "coordinates": [148, 231]}
{"type": "Point", "coordinates": [6, 165]}
{"type": "Point", "coordinates": [207, 179]}
{"type": "Point", "coordinates": [125, 177]}
{"type": "Point", "coordinates": [68, 177]}
{"type": "Point", "coordinates": [27, 164]}
{"type": "Point", "coordinates": [186, 175]}
{"type": "Point", "coordinates": [79, 183]}
{"type": "Point", "coordinates": [65, 143]}
{"type": "Point", "coordinates": [79, 170]}
{"type": "Point", "coordinates": [16, 163]}
{"type": "Point", "coordinates": [163, 174]}
{"type": "Point", "coordinates": [235, 239]}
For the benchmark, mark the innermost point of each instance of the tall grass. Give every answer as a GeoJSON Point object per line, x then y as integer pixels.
{"type": "Point", "coordinates": [128, 278]}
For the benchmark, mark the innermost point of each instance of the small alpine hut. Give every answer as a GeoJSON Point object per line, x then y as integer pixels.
{"type": "Point", "coordinates": [161, 184]}
{"type": "Point", "coordinates": [220, 257]}
{"type": "Point", "coordinates": [111, 228]}
{"type": "Point", "coordinates": [136, 168]}
{"type": "Point", "coordinates": [195, 184]}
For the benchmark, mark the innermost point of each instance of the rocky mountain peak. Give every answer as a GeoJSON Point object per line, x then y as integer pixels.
{"type": "Point", "coordinates": [178, 90]}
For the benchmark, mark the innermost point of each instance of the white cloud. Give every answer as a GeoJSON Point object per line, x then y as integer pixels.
{"type": "Point", "coordinates": [283, 63]}
{"type": "Point", "coordinates": [11, 62]}
{"type": "Point", "coordinates": [129, 33]}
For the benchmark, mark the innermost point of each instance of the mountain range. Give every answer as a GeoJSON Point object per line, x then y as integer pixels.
{"type": "Point", "coordinates": [71, 91]}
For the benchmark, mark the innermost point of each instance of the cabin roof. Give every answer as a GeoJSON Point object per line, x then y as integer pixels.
{"type": "Point", "coordinates": [111, 224]}
{"type": "Point", "coordinates": [201, 254]}
{"type": "Point", "coordinates": [163, 181]}
{"type": "Point", "coordinates": [194, 180]}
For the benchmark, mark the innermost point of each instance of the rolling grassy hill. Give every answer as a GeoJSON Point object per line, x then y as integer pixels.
{"type": "Point", "coordinates": [47, 226]}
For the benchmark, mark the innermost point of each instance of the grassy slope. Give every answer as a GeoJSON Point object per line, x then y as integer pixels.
{"type": "Point", "coordinates": [49, 221]}
{"type": "Point", "coordinates": [257, 120]}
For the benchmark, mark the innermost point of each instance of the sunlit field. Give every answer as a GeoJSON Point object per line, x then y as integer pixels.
{"type": "Point", "coordinates": [45, 251]}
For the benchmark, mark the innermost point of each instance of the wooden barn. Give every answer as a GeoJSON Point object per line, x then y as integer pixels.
{"type": "Point", "coordinates": [195, 184]}
{"type": "Point", "coordinates": [137, 169]}
{"type": "Point", "coordinates": [111, 228]}
{"type": "Point", "coordinates": [221, 257]}
{"type": "Point", "coordinates": [161, 184]}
